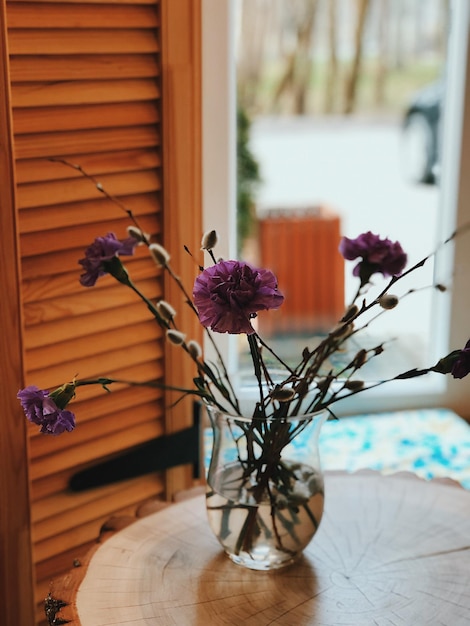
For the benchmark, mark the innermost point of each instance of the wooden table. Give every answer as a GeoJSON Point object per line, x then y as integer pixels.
{"type": "Point", "coordinates": [390, 551]}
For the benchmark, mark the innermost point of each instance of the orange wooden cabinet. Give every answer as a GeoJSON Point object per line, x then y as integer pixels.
{"type": "Point", "coordinates": [301, 247]}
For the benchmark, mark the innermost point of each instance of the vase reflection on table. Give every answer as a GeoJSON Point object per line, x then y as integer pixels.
{"type": "Point", "coordinates": [265, 493]}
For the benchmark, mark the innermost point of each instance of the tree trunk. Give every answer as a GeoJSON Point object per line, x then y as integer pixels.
{"type": "Point", "coordinates": [398, 19]}
{"type": "Point", "coordinates": [382, 57]}
{"type": "Point", "coordinates": [332, 70]}
{"type": "Point", "coordinates": [255, 28]}
{"type": "Point", "coordinates": [352, 78]}
{"type": "Point", "coordinates": [295, 79]}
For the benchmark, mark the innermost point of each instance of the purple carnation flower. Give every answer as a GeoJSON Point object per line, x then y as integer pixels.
{"type": "Point", "coordinates": [228, 294]}
{"type": "Point", "coordinates": [378, 256]}
{"type": "Point", "coordinates": [40, 409]}
{"type": "Point", "coordinates": [461, 367]}
{"type": "Point", "coordinates": [101, 250]}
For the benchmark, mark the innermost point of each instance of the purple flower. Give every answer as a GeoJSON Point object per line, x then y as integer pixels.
{"type": "Point", "coordinates": [461, 366]}
{"type": "Point", "coordinates": [228, 294]}
{"type": "Point", "coordinates": [102, 250]}
{"type": "Point", "coordinates": [378, 256]}
{"type": "Point", "coordinates": [41, 409]}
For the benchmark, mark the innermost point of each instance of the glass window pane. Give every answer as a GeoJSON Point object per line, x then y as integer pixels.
{"type": "Point", "coordinates": [449, 199]}
{"type": "Point", "coordinates": [340, 106]}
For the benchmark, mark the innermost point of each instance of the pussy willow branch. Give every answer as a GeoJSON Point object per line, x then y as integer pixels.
{"type": "Point", "coordinates": [353, 392]}
{"type": "Point", "coordinates": [117, 270]}
{"type": "Point", "coordinates": [327, 346]}
{"type": "Point", "coordinates": [458, 231]}
{"type": "Point", "coordinates": [394, 279]}
{"type": "Point", "coordinates": [233, 400]}
{"type": "Point", "coordinates": [104, 381]}
{"type": "Point", "coordinates": [100, 188]}
{"type": "Point", "coordinates": [312, 360]}
{"type": "Point", "coordinates": [276, 356]}
{"type": "Point", "coordinates": [385, 311]}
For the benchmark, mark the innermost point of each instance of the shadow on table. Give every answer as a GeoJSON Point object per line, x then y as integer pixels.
{"type": "Point", "coordinates": [232, 595]}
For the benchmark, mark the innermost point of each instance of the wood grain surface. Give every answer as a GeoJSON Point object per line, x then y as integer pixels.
{"type": "Point", "coordinates": [390, 551]}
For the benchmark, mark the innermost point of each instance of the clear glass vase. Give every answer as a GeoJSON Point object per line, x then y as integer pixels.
{"type": "Point", "coordinates": [265, 489]}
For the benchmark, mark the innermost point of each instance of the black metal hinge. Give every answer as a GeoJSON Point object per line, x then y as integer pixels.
{"type": "Point", "coordinates": [158, 454]}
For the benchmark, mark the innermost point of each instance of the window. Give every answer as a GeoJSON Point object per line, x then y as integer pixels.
{"type": "Point", "coordinates": [447, 323]}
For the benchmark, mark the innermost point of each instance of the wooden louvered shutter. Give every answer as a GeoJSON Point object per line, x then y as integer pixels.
{"type": "Point", "coordinates": [87, 84]}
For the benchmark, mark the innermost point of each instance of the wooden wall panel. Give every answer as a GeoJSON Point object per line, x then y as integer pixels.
{"type": "Point", "coordinates": [16, 567]}
{"type": "Point", "coordinates": [182, 183]}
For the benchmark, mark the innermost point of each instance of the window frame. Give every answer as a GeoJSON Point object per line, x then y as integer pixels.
{"type": "Point", "coordinates": [450, 323]}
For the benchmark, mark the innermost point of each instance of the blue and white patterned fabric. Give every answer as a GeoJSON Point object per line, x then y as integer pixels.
{"type": "Point", "coordinates": [432, 443]}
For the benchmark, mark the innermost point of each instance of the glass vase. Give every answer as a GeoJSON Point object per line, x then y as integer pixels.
{"type": "Point", "coordinates": [265, 488]}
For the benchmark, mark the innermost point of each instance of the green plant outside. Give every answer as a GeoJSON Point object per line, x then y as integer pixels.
{"type": "Point", "coordinates": [248, 177]}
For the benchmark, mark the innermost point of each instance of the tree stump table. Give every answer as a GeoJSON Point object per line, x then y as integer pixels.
{"type": "Point", "coordinates": [391, 550]}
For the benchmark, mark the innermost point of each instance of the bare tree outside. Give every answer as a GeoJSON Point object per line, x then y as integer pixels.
{"type": "Point", "coordinates": [310, 57]}
{"type": "Point", "coordinates": [382, 52]}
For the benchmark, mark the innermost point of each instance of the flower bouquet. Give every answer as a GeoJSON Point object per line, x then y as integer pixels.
{"type": "Point", "coordinates": [264, 494]}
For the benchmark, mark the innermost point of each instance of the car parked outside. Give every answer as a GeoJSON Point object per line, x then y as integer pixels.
{"type": "Point", "coordinates": [420, 134]}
